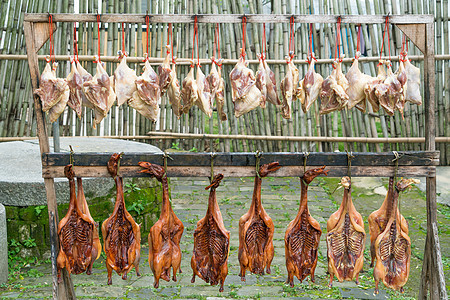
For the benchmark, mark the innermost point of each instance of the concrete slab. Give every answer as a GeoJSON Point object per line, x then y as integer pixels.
{"type": "Point", "coordinates": [21, 182]}
{"type": "Point", "coordinates": [3, 246]}
{"type": "Point", "coordinates": [442, 184]}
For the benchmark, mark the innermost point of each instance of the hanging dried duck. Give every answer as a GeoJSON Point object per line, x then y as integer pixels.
{"type": "Point", "coordinates": [204, 93]}
{"type": "Point", "coordinates": [303, 235]}
{"type": "Point", "coordinates": [370, 89]}
{"type": "Point", "coordinates": [211, 243]}
{"type": "Point", "coordinates": [393, 246]}
{"type": "Point", "coordinates": [256, 230]}
{"type": "Point", "coordinates": [165, 235]}
{"type": "Point", "coordinates": [75, 83]}
{"type": "Point", "coordinates": [121, 234]}
{"type": "Point", "coordinates": [78, 236]}
{"type": "Point", "coordinates": [189, 92]}
{"type": "Point", "coordinates": [288, 86]}
{"type": "Point", "coordinates": [345, 239]}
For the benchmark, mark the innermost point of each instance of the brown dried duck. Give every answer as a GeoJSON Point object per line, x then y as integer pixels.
{"type": "Point", "coordinates": [211, 243]}
{"type": "Point", "coordinates": [164, 237]}
{"type": "Point", "coordinates": [303, 235]}
{"type": "Point", "coordinates": [256, 231]}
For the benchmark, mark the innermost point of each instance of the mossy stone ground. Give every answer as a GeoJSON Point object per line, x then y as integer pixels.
{"type": "Point", "coordinates": [280, 198]}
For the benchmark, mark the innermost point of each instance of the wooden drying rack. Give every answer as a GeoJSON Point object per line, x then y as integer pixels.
{"type": "Point", "coordinates": [420, 30]}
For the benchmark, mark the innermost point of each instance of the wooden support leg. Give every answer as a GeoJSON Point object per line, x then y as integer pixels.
{"type": "Point", "coordinates": [433, 280]}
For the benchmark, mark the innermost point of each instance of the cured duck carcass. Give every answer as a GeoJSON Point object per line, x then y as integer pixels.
{"type": "Point", "coordinates": [345, 239]}
{"type": "Point", "coordinates": [147, 96]}
{"type": "Point", "coordinates": [413, 82]}
{"type": "Point", "coordinates": [356, 84]}
{"type": "Point", "coordinates": [217, 85]}
{"type": "Point", "coordinates": [174, 92]}
{"type": "Point", "coordinates": [403, 80]}
{"type": "Point", "coordinates": [379, 219]}
{"type": "Point", "coordinates": [53, 92]}
{"type": "Point", "coordinates": [211, 243]}
{"type": "Point", "coordinates": [189, 91]}
{"type": "Point", "coordinates": [256, 231]}
{"type": "Point", "coordinates": [391, 91]}
{"type": "Point", "coordinates": [245, 94]}
{"type": "Point", "coordinates": [309, 87]}
{"type": "Point", "coordinates": [266, 83]}
{"type": "Point", "coordinates": [79, 245]}
{"type": "Point", "coordinates": [99, 92]}
{"type": "Point", "coordinates": [303, 235]}
{"type": "Point", "coordinates": [124, 80]}
{"type": "Point", "coordinates": [75, 83]}
{"type": "Point", "coordinates": [393, 246]}
{"type": "Point", "coordinates": [370, 88]}
{"type": "Point", "coordinates": [164, 237]}
{"type": "Point", "coordinates": [333, 95]}
{"type": "Point", "coordinates": [121, 234]}
{"type": "Point", "coordinates": [288, 86]}
{"type": "Point", "coordinates": [204, 93]}
{"type": "Point", "coordinates": [164, 71]}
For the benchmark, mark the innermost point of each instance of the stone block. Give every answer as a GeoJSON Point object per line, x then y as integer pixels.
{"type": "Point", "coordinates": [12, 212]}
{"type": "Point", "coordinates": [3, 246]}
{"type": "Point", "coordinates": [28, 214]}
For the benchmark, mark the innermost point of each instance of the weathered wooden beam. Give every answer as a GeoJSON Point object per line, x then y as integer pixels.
{"type": "Point", "coordinates": [243, 159]}
{"type": "Point", "coordinates": [244, 171]}
{"type": "Point", "coordinates": [232, 18]}
{"type": "Point", "coordinates": [416, 33]}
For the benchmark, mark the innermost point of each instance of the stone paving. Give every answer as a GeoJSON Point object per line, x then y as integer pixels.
{"type": "Point", "coordinates": [280, 197]}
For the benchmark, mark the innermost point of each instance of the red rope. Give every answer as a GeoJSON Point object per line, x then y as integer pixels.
{"type": "Point", "coordinates": [170, 40]}
{"type": "Point", "coordinates": [264, 43]}
{"type": "Point", "coordinates": [193, 42]}
{"type": "Point", "coordinates": [147, 22]}
{"type": "Point", "coordinates": [310, 54]}
{"type": "Point", "coordinates": [50, 28]}
{"type": "Point", "coordinates": [404, 51]}
{"type": "Point", "coordinates": [216, 45]}
{"type": "Point", "coordinates": [358, 39]}
{"type": "Point", "coordinates": [386, 28]}
{"type": "Point", "coordinates": [98, 37]}
{"type": "Point", "coordinates": [244, 31]}
{"type": "Point", "coordinates": [75, 41]}
{"type": "Point", "coordinates": [337, 49]}
{"type": "Point", "coordinates": [123, 39]}
{"type": "Point", "coordinates": [291, 36]}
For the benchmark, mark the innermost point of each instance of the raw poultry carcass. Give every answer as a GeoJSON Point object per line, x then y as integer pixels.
{"type": "Point", "coordinates": [345, 239]}
{"type": "Point", "coordinates": [121, 234]}
{"type": "Point", "coordinates": [147, 97]}
{"type": "Point", "coordinates": [402, 78]}
{"type": "Point", "coordinates": [204, 93]}
{"type": "Point", "coordinates": [302, 237]}
{"type": "Point", "coordinates": [211, 243]}
{"type": "Point", "coordinates": [164, 73]}
{"type": "Point", "coordinates": [356, 83]}
{"type": "Point", "coordinates": [99, 93]}
{"type": "Point", "coordinates": [266, 83]}
{"type": "Point", "coordinates": [124, 80]}
{"type": "Point", "coordinates": [164, 237]}
{"type": "Point", "coordinates": [309, 87]}
{"type": "Point", "coordinates": [217, 86]}
{"type": "Point", "coordinates": [370, 88]}
{"type": "Point", "coordinates": [393, 246]}
{"type": "Point", "coordinates": [75, 83]}
{"type": "Point", "coordinates": [379, 218]}
{"type": "Point", "coordinates": [189, 91]}
{"type": "Point", "coordinates": [333, 95]}
{"type": "Point", "coordinates": [78, 247]}
{"type": "Point", "coordinates": [390, 92]}
{"type": "Point", "coordinates": [256, 231]}
{"type": "Point", "coordinates": [413, 82]}
{"type": "Point", "coordinates": [245, 94]}
{"type": "Point", "coordinates": [261, 81]}
{"type": "Point", "coordinates": [288, 86]}
{"type": "Point", "coordinates": [53, 92]}
{"type": "Point", "coordinates": [174, 93]}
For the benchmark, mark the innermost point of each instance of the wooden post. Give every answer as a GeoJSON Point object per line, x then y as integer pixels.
{"type": "Point", "coordinates": [60, 291]}
{"type": "Point", "coordinates": [433, 279]}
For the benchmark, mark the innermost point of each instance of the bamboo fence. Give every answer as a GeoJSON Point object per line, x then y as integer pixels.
{"type": "Point", "coordinates": [17, 116]}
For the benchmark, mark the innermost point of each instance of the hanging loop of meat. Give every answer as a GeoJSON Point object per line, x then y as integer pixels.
{"type": "Point", "coordinates": [309, 86]}
{"type": "Point", "coordinates": [189, 91]}
{"type": "Point", "coordinates": [217, 86]}
{"type": "Point", "coordinates": [393, 245]}
{"type": "Point", "coordinates": [53, 92]}
{"type": "Point", "coordinates": [288, 86]}
{"type": "Point", "coordinates": [77, 232]}
{"type": "Point", "coordinates": [164, 237]}
{"type": "Point", "coordinates": [204, 93]}
{"type": "Point", "coordinates": [75, 83]}
{"type": "Point", "coordinates": [303, 235]}
{"type": "Point", "coordinates": [345, 239]}
{"type": "Point", "coordinates": [256, 231]}
{"type": "Point", "coordinates": [121, 234]}
{"type": "Point", "coordinates": [124, 80]}
{"type": "Point", "coordinates": [333, 94]}
{"type": "Point", "coordinates": [413, 82]}
{"type": "Point", "coordinates": [164, 72]}
{"type": "Point", "coordinates": [356, 84]}
{"type": "Point", "coordinates": [174, 92]}
{"type": "Point", "coordinates": [245, 94]}
{"type": "Point", "coordinates": [211, 243]}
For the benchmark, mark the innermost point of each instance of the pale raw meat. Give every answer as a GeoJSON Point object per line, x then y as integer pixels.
{"type": "Point", "coordinates": [204, 93]}
{"type": "Point", "coordinates": [390, 91]}
{"type": "Point", "coordinates": [220, 98]}
{"type": "Point", "coordinates": [333, 96]}
{"type": "Point", "coordinates": [174, 93]}
{"type": "Point", "coordinates": [147, 97]}
{"type": "Point", "coordinates": [124, 80]}
{"type": "Point", "coordinates": [164, 73]}
{"type": "Point", "coordinates": [75, 83]}
{"type": "Point", "coordinates": [271, 86]}
{"type": "Point", "coordinates": [401, 77]}
{"type": "Point", "coordinates": [53, 92]}
{"type": "Point", "coordinates": [413, 83]}
{"type": "Point", "coordinates": [288, 86]}
{"type": "Point", "coordinates": [217, 86]}
{"type": "Point", "coordinates": [356, 83]}
{"type": "Point", "coordinates": [261, 80]}
{"type": "Point", "coordinates": [310, 85]}
{"type": "Point", "coordinates": [189, 91]}
{"type": "Point", "coordinates": [369, 89]}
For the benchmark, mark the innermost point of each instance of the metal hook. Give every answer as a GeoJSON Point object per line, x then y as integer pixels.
{"type": "Point", "coordinates": [258, 156]}
{"type": "Point", "coordinates": [349, 164]}
{"type": "Point", "coordinates": [165, 156]}
{"type": "Point", "coordinates": [71, 160]}
{"type": "Point", "coordinates": [212, 166]}
{"type": "Point", "coordinates": [305, 159]}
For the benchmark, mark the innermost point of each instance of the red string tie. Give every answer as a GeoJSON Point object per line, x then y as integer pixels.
{"type": "Point", "coordinates": [244, 31]}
